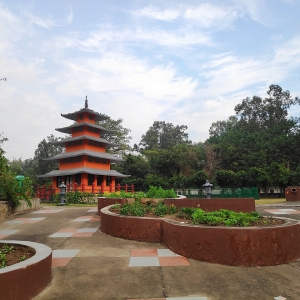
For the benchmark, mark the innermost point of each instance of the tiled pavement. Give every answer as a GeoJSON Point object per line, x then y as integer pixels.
{"type": "Point", "coordinates": [283, 211]}
{"type": "Point", "coordinates": [97, 266]}
{"type": "Point", "coordinates": [74, 232]}
{"type": "Point", "coordinates": [156, 258]}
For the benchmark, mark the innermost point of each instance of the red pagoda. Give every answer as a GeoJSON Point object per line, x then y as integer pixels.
{"type": "Point", "coordinates": [85, 165]}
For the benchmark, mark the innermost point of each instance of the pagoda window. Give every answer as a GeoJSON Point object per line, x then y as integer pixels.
{"type": "Point", "coordinates": [104, 161]}
{"type": "Point", "coordinates": [78, 158]}
{"type": "Point", "coordinates": [108, 180]}
{"type": "Point", "coordinates": [79, 142]}
{"type": "Point", "coordinates": [80, 128]}
{"type": "Point", "coordinates": [78, 179]}
{"type": "Point", "coordinates": [99, 179]}
{"type": "Point", "coordinates": [80, 116]}
{"type": "Point", "coordinates": [72, 159]}
{"type": "Point", "coordinates": [90, 179]}
{"type": "Point", "coordinates": [74, 143]}
{"type": "Point", "coordinates": [91, 129]}
{"type": "Point", "coordinates": [95, 143]}
{"type": "Point", "coordinates": [96, 130]}
{"type": "Point", "coordinates": [98, 160]}
{"type": "Point", "coordinates": [90, 159]}
{"type": "Point", "coordinates": [75, 129]}
{"type": "Point", "coordinates": [91, 117]}
{"type": "Point", "coordinates": [65, 160]}
{"type": "Point", "coordinates": [58, 180]}
{"type": "Point", "coordinates": [90, 143]}
{"type": "Point", "coordinates": [100, 144]}
{"type": "Point", "coordinates": [69, 143]}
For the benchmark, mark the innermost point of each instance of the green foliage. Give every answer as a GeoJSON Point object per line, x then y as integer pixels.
{"type": "Point", "coordinates": [76, 197]}
{"type": "Point", "coordinates": [186, 212]}
{"type": "Point", "coordinates": [155, 192]}
{"type": "Point", "coordinates": [123, 194]}
{"type": "Point", "coordinates": [135, 209]}
{"type": "Point", "coordinates": [6, 249]}
{"type": "Point", "coordinates": [224, 218]}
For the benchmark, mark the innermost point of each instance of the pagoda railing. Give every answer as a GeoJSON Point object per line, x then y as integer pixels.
{"type": "Point", "coordinates": [46, 193]}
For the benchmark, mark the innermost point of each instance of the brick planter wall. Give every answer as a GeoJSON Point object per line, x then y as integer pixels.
{"type": "Point", "coordinates": [235, 246]}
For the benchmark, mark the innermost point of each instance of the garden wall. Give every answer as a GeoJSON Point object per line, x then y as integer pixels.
{"type": "Point", "coordinates": [235, 246]}
{"type": "Point", "coordinates": [6, 210]}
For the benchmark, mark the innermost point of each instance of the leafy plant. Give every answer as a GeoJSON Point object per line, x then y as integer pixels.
{"type": "Point", "coordinates": [22, 258]}
{"type": "Point", "coordinates": [158, 192]}
{"type": "Point", "coordinates": [224, 217]}
{"type": "Point", "coordinates": [135, 209]}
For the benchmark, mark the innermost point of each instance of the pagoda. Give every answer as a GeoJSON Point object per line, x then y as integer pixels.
{"type": "Point", "coordinates": [85, 165]}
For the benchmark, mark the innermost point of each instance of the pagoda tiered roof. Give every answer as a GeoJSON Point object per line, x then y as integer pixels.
{"type": "Point", "coordinates": [68, 129]}
{"type": "Point", "coordinates": [73, 116]}
{"type": "Point", "coordinates": [54, 173]}
{"type": "Point", "coordinates": [104, 155]}
{"type": "Point", "coordinates": [81, 137]}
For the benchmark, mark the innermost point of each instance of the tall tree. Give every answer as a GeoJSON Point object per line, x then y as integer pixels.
{"type": "Point", "coordinates": [162, 135]}
{"type": "Point", "coordinates": [120, 136]}
{"type": "Point", "coordinates": [45, 149]}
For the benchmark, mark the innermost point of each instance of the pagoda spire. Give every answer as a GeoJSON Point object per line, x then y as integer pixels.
{"type": "Point", "coordinates": [86, 102]}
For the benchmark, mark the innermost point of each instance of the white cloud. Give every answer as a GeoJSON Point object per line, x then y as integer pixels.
{"type": "Point", "coordinates": [150, 11]}
{"type": "Point", "coordinates": [209, 15]}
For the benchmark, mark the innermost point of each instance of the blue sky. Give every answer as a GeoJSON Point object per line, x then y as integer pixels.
{"type": "Point", "coordinates": [184, 62]}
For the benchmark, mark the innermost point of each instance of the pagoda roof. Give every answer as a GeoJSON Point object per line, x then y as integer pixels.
{"type": "Point", "coordinates": [69, 128]}
{"type": "Point", "coordinates": [105, 155]}
{"type": "Point", "coordinates": [54, 173]}
{"type": "Point", "coordinates": [73, 115]}
{"type": "Point", "coordinates": [71, 139]}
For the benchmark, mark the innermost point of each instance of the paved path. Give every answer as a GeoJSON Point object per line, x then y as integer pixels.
{"type": "Point", "coordinates": [88, 264]}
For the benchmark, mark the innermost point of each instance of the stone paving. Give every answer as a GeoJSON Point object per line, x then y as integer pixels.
{"type": "Point", "coordinates": [87, 264]}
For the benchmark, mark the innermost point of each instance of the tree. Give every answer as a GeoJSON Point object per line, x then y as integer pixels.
{"type": "Point", "coordinates": [45, 149]}
{"type": "Point", "coordinates": [162, 135]}
{"type": "Point", "coordinates": [120, 137]}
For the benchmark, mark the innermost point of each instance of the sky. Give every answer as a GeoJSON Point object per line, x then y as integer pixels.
{"type": "Point", "coordinates": [183, 62]}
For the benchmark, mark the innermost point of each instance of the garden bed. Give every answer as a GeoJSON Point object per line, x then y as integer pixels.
{"type": "Point", "coordinates": [238, 246]}
{"type": "Point", "coordinates": [26, 279]}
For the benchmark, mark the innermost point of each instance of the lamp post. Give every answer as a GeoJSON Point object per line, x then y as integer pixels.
{"type": "Point", "coordinates": [207, 188]}
{"type": "Point", "coordinates": [62, 192]}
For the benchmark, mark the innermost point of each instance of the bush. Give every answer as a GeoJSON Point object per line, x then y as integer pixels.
{"type": "Point", "coordinates": [76, 197]}
{"type": "Point", "coordinates": [224, 217]}
{"type": "Point", "coordinates": [155, 192]}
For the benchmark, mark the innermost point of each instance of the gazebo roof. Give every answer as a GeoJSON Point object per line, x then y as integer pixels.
{"type": "Point", "coordinates": [71, 139]}
{"type": "Point", "coordinates": [54, 173]}
{"type": "Point", "coordinates": [105, 155]}
{"type": "Point", "coordinates": [69, 128]}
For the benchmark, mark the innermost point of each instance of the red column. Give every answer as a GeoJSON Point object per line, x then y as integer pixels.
{"type": "Point", "coordinates": [126, 187]}
{"type": "Point", "coordinates": [118, 187]}
{"type": "Point", "coordinates": [82, 187]}
{"type": "Point", "coordinates": [93, 188]}
{"type": "Point", "coordinates": [132, 188]}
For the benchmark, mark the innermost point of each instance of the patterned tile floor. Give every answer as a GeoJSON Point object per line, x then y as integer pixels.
{"type": "Point", "coordinates": [283, 211]}
{"type": "Point", "coordinates": [24, 220]}
{"type": "Point", "coordinates": [87, 219]}
{"type": "Point", "coordinates": [60, 258]}
{"type": "Point", "coordinates": [74, 232]}
{"type": "Point", "coordinates": [177, 298]}
{"type": "Point", "coordinates": [4, 233]}
{"type": "Point", "coordinates": [47, 211]}
{"type": "Point", "coordinates": [156, 258]}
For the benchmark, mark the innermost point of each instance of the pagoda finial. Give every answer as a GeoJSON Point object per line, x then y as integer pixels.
{"type": "Point", "coordinates": [86, 102]}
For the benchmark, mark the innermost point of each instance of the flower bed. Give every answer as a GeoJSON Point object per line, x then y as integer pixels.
{"type": "Point", "coordinates": [238, 246]}
{"type": "Point", "coordinates": [26, 279]}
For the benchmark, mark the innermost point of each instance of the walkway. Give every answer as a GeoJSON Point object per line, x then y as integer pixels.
{"type": "Point", "coordinates": [88, 264]}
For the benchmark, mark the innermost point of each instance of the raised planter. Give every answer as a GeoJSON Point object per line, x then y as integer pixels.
{"type": "Point", "coordinates": [214, 204]}
{"type": "Point", "coordinates": [26, 279]}
{"type": "Point", "coordinates": [235, 246]}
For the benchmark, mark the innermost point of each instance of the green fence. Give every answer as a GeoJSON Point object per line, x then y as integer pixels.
{"type": "Point", "coordinates": [225, 192]}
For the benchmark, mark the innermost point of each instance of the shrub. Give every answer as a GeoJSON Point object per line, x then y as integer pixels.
{"type": "Point", "coordinates": [155, 192]}
{"type": "Point", "coordinates": [76, 197]}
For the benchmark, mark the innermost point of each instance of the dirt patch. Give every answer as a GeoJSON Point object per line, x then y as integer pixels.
{"type": "Point", "coordinates": [13, 254]}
